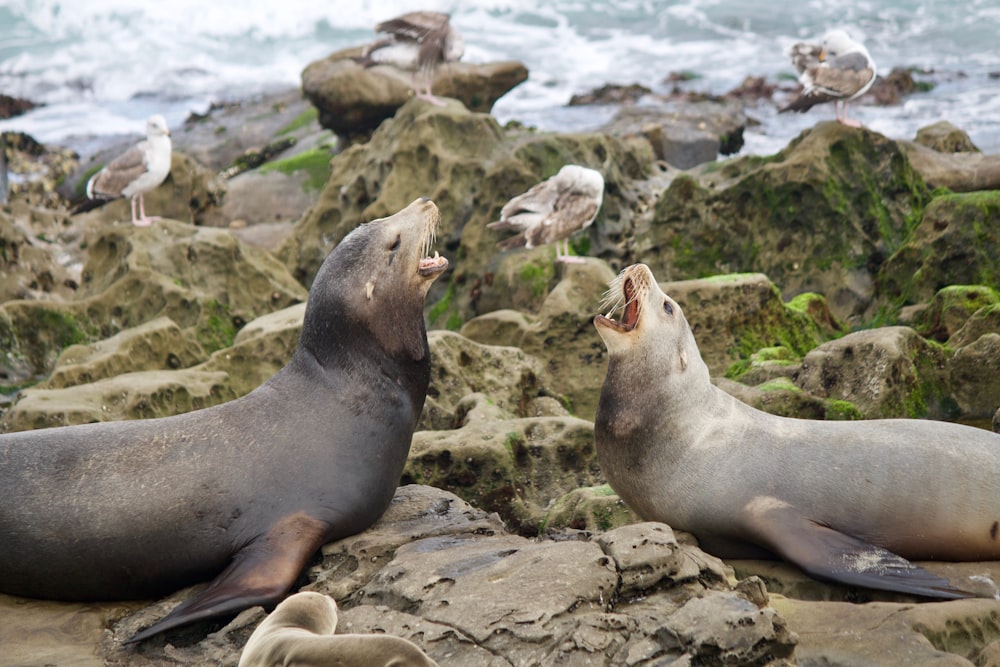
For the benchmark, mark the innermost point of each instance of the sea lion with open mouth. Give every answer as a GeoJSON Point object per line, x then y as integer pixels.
{"type": "Point", "coordinates": [848, 502]}
{"type": "Point", "coordinates": [246, 491]}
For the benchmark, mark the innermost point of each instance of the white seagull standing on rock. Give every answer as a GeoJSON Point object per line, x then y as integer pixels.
{"type": "Point", "coordinates": [841, 70]}
{"type": "Point", "coordinates": [419, 42]}
{"type": "Point", "coordinates": [552, 210]}
{"type": "Point", "coordinates": [133, 173]}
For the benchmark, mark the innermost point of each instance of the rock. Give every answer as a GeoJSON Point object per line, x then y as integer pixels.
{"type": "Point", "coordinates": [611, 94]}
{"type": "Point", "coordinates": [202, 279]}
{"type": "Point", "coordinates": [139, 395]}
{"type": "Point", "coordinates": [974, 370]}
{"type": "Point", "coordinates": [684, 135]}
{"type": "Point", "coordinates": [885, 372]}
{"type": "Point", "coordinates": [734, 316]}
{"type": "Point", "coordinates": [959, 172]}
{"type": "Point", "coordinates": [944, 137]}
{"type": "Point", "coordinates": [155, 345]}
{"type": "Point", "coordinates": [950, 309]}
{"type": "Point", "coordinates": [954, 244]}
{"type": "Point", "coordinates": [515, 467]}
{"type": "Point", "coordinates": [983, 321]}
{"type": "Point", "coordinates": [353, 100]}
{"type": "Point", "coordinates": [14, 106]}
{"type": "Point", "coordinates": [591, 508]}
{"type": "Point", "coordinates": [819, 216]}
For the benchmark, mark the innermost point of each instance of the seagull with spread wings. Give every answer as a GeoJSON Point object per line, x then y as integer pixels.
{"type": "Point", "coordinates": [418, 42]}
{"type": "Point", "coordinates": [839, 71]}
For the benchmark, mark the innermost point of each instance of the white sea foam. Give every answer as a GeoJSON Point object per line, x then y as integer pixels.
{"type": "Point", "coordinates": [100, 66]}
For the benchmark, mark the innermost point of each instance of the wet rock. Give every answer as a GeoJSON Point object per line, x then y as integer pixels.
{"type": "Point", "coordinates": [611, 94]}
{"type": "Point", "coordinates": [684, 135]}
{"type": "Point", "coordinates": [944, 137]}
{"type": "Point", "coordinates": [885, 372]}
{"type": "Point", "coordinates": [353, 100]}
{"type": "Point", "coordinates": [14, 106]}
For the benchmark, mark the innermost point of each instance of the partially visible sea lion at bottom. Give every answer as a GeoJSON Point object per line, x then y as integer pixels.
{"type": "Point", "coordinates": [242, 493]}
{"type": "Point", "coordinates": [300, 632]}
{"type": "Point", "coordinates": [848, 502]}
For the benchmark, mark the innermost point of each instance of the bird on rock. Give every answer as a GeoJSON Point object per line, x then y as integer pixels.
{"type": "Point", "coordinates": [419, 42]}
{"type": "Point", "coordinates": [840, 70]}
{"type": "Point", "coordinates": [133, 173]}
{"type": "Point", "coordinates": [552, 210]}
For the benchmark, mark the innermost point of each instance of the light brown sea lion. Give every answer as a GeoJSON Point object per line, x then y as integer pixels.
{"type": "Point", "coordinates": [845, 501]}
{"type": "Point", "coordinates": [247, 491]}
{"type": "Point", "coordinates": [300, 632]}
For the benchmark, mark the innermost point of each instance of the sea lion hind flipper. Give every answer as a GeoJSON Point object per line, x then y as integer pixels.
{"type": "Point", "coordinates": [828, 554]}
{"type": "Point", "coordinates": [259, 574]}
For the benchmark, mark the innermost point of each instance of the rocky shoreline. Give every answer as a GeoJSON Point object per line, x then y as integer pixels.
{"type": "Point", "coordinates": [849, 276]}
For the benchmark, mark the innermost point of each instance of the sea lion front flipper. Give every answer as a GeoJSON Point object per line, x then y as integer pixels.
{"type": "Point", "coordinates": [827, 554]}
{"type": "Point", "coordinates": [259, 574]}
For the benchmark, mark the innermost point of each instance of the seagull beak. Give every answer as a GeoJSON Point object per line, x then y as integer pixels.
{"type": "Point", "coordinates": [822, 56]}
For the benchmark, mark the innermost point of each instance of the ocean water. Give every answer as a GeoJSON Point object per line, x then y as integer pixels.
{"type": "Point", "coordinates": [102, 66]}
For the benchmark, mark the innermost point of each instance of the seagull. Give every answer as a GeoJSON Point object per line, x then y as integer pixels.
{"type": "Point", "coordinates": [419, 42]}
{"type": "Point", "coordinates": [841, 70]}
{"type": "Point", "coordinates": [552, 210]}
{"type": "Point", "coordinates": [133, 173]}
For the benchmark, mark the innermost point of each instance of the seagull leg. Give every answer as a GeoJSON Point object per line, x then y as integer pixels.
{"type": "Point", "coordinates": [849, 122]}
{"type": "Point", "coordinates": [143, 221]}
{"type": "Point", "coordinates": [425, 92]}
{"type": "Point", "coordinates": [567, 258]}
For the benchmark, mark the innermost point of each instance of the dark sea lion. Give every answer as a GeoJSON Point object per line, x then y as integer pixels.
{"type": "Point", "coordinates": [251, 488]}
{"type": "Point", "coordinates": [845, 501]}
{"type": "Point", "coordinates": [300, 632]}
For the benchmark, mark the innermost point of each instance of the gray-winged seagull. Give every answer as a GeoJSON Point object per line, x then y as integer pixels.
{"type": "Point", "coordinates": [552, 210]}
{"type": "Point", "coordinates": [839, 71]}
{"type": "Point", "coordinates": [133, 173]}
{"type": "Point", "coordinates": [419, 42]}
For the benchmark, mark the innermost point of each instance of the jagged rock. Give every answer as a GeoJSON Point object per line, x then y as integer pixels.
{"type": "Point", "coordinates": [885, 372]}
{"type": "Point", "coordinates": [38, 255]}
{"type": "Point", "coordinates": [684, 135]}
{"type": "Point", "coordinates": [353, 100]}
{"type": "Point", "coordinates": [954, 244]}
{"type": "Point", "coordinates": [202, 279]}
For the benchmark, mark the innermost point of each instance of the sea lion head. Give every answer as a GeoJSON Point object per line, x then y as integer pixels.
{"type": "Point", "coordinates": [372, 286]}
{"type": "Point", "coordinates": [652, 328]}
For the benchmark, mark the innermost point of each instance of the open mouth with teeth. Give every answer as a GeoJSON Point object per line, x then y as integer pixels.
{"type": "Point", "coordinates": [432, 266]}
{"type": "Point", "coordinates": [623, 293]}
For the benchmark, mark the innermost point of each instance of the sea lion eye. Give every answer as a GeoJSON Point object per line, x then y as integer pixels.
{"type": "Point", "coordinates": [667, 308]}
{"type": "Point", "coordinates": [395, 244]}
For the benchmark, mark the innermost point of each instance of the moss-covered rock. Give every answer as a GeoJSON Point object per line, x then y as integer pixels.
{"type": "Point", "coordinates": [592, 508]}
{"type": "Point", "coordinates": [974, 372]}
{"type": "Point", "coordinates": [885, 372]}
{"type": "Point", "coordinates": [821, 215]}
{"type": "Point", "coordinates": [951, 308]}
{"type": "Point", "coordinates": [202, 279]}
{"type": "Point", "coordinates": [955, 244]}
